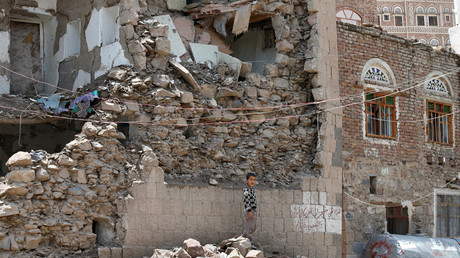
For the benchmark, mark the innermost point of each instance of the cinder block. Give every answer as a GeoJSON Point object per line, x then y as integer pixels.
{"type": "Point", "coordinates": [116, 252]}
{"type": "Point", "coordinates": [298, 196]}
{"type": "Point", "coordinates": [314, 184]}
{"type": "Point", "coordinates": [286, 196]}
{"type": "Point", "coordinates": [279, 225]}
{"type": "Point", "coordinates": [322, 182]}
{"type": "Point", "coordinates": [103, 252]}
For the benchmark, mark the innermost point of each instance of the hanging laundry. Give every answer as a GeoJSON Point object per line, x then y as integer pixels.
{"type": "Point", "coordinates": [82, 105]}
{"type": "Point", "coordinates": [51, 102]}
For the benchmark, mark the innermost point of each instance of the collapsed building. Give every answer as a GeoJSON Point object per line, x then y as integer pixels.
{"type": "Point", "coordinates": [157, 109]}
{"type": "Point", "coordinates": [165, 108]}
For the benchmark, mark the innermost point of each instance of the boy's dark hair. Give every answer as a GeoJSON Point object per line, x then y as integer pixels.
{"type": "Point", "coordinates": [248, 175]}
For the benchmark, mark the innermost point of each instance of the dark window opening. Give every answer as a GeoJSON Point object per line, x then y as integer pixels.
{"type": "Point", "coordinates": [420, 20]}
{"type": "Point", "coordinates": [257, 46]}
{"type": "Point", "coordinates": [397, 220]}
{"type": "Point", "coordinates": [104, 230]}
{"type": "Point", "coordinates": [433, 20]}
{"type": "Point", "coordinates": [447, 18]}
{"type": "Point", "coordinates": [398, 21]}
{"type": "Point", "coordinates": [124, 128]}
{"type": "Point", "coordinates": [373, 184]}
{"type": "Point", "coordinates": [386, 17]}
{"type": "Point", "coordinates": [378, 19]}
{"type": "Point", "coordinates": [35, 137]}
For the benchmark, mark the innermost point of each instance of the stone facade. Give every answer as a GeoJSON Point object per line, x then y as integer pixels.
{"type": "Point", "coordinates": [408, 169]}
{"type": "Point", "coordinates": [422, 21]}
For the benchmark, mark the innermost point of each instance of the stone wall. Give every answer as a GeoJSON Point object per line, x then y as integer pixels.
{"type": "Point", "coordinates": [408, 168]}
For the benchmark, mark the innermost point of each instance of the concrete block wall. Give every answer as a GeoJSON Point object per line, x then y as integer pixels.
{"type": "Point", "coordinates": [162, 215]}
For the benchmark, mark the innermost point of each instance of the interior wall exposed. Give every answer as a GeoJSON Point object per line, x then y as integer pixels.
{"type": "Point", "coordinates": [51, 137]}
{"type": "Point", "coordinates": [256, 46]}
{"type": "Point", "coordinates": [25, 56]}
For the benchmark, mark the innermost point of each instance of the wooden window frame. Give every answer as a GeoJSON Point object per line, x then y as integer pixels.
{"type": "Point", "coordinates": [436, 123]}
{"type": "Point", "coordinates": [447, 216]}
{"type": "Point", "coordinates": [380, 99]}
{"type": "Point", "coordinates": [398, 216]}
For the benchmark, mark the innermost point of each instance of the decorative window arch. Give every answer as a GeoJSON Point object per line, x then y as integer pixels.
{"type": "Point", "coordinates": [377, 72]}
{"type": "Point", "coordinates": [422, 40]}
{"type": "Point", "coordinates": [397, 9]}
{"type": "Point", "coordinates": [434, 42]}
{"type": "Point", "coordinates": [432, 10]}
{"type": "Point", "coordinates": [379, 104]}
{"type": "Point", "coordinates": [420, 10]}
{"type": "Point", "coordinates": [349, 16]}
{"type": "Point", "coordinates": [446, 10]}
{"type": "Point", "coordinates": [439, 109]}
{"type": "Point", "coordinates": [386, 9]}
{"type": "Point", "coordinates": [437, 82]}
{"type": "Point", "coordinates": [378, 10]}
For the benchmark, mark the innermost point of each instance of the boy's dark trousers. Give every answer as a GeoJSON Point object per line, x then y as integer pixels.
{"type": "Point", "coordinates": [250, 225]}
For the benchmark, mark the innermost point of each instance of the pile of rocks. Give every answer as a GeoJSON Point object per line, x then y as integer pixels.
{"type": "Point", "coordinates": [231, 248]}
{"type": "Point", "coordinates": [64, 199]}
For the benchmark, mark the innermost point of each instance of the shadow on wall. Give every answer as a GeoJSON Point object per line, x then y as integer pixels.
{"type": "Point", "coordinates": [51, 137]}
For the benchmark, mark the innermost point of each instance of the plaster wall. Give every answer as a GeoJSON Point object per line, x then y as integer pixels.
{"type": "Point", "coordinates": [74, 33]}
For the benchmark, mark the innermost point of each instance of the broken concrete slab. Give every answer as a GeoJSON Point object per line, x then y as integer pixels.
{"type": "Point", "coordinates": [241, 21]}
{"type": "Point", "coordinates": [185, 28]}
{"type": "Point", "coordinates": [185, 73]}
{"type": "Point", "coordinates": [203, 53]}
{"type": "Point", "coordinates": [177, 47]}
{"type": "Point", "coordinates": [233, 62]}
{"type": "Point", "coordinates": [176, 5]}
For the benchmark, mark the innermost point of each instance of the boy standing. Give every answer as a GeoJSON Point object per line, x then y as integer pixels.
{"type": "Point", "coordinates": [250, 207]}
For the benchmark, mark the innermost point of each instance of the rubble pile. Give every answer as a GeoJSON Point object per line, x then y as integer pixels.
{"type": "Point", "coordinates": [231, 248]}
{"type": "Point", "coordinates": [64, 199]}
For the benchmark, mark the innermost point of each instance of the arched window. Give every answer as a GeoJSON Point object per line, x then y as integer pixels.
{"type": "Point", "coordinates": [348, 16]}
{"type": "Point", "coordinates": [432, 10]}
{"type": "Point", "coordinates": [386, 9]}
{"type": "Point", "coordinates": [375, 74]}
{"type": "Point", "coordinates": [380, 105]}
{"type": "Point", "coordinates": [422, 40]}
{"type": "Point", "coordinates": [439, 108]}
{"type": "Point", "coordinates": [434, 42]}
{"type": "Point", "coordinates": [446, 10]}
{"type": "Point", "coordinates": [397, 9]}
{"type": "Point", "coordinates": [419, 10]}
{"type": "Point", "coordinates": [436, 85]}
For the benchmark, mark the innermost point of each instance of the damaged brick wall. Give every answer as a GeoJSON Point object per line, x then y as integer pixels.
{"type": "Point", "coordinates": [407, 169]}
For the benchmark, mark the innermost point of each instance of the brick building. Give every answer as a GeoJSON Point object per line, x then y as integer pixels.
{"type": "Point", "coordinates": [399, 136]}
{"type": "Point", "coordinates": [424, 21]}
